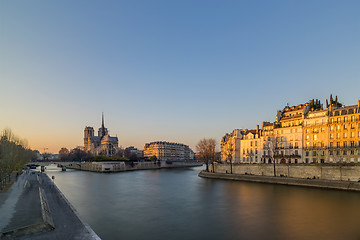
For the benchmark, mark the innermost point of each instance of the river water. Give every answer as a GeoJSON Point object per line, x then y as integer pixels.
{"type": "Point", "coordinates": [177, 204]}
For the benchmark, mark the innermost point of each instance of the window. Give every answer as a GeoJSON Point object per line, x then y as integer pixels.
{"type": "Point", "coordinates": [345, 126]}
{"type": "Point", "coordinates": [315, 137]}
{"type": "Point", "coordinates": [352, 126]}
{"type": "Point", "coordinates": [322, 129]}
{"type": "Point", "coordinates": [332, 120]}
{"type": "Point", "coordinates": [345, 119]}
{"type": "Point", "coordinates": [331, 152]}
{"type": "Point", "coordinates": [338, 127]}
{"type": "Point", "coordinates": [331, 128]}
{"type": "Point", "coordinates": [338, 120]}
{"type": "Point", "coordinates": [352, 144]}
{"type": "Point", "coordinates": [314, 153]}
{"type": "Point", "coordinates": [306, 153]}
{"type": "Point", "coordinates": [255, 143]}
{"type": "Point", "coordinates": [337, 135]}
{"type": "Point", "coordinates": [307, 137]}
{"type": "Point", "coordinates": [344, 135]}
{"type": "Point", "coordinates": [352, 134]}
{"type": "Point", "coordinates": [331, 144]}
{"type": "Point", "coordinates": [344, 152]}
{"type": "Point", "coordinates": [352, 118]}
{"type": "Point", "coordinates": [331, 136]}
{"type": "Point", "coordinates": [344, 144]}
{"type": "Point", "coordinates": [338, 144]}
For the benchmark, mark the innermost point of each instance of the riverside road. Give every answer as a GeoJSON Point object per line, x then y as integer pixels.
{"type": "Point", "coordinates": [22, 212]}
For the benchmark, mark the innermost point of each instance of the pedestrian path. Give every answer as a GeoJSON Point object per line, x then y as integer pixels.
{"type": "Point", "coordinates": [22, 212]}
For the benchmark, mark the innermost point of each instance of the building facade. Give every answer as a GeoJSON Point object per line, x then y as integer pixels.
{"type": "Point", "coordinates": [230, 145]}
{"type": "Point", "coordinates": [305, 133]}
{"type": "Point", "coordinates": [168, 151]}
{"type": "Point", "coordinates": [344, 134]}
{"type": "Point", "coordinates": [103, 144]}
{"type": "Point", "coordinates": [251, 146]}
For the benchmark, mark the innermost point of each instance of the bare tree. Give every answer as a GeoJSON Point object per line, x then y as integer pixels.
{"type": "Point", "coordinates": [64, 154]}
{"type": "Point", "coordinates": [14, 154]}
{"type": "Point", "coordinates": [206, 149]}
{"type": "Point", "coordinates": [271, 147]}
{"type": "Point", "coordinates": [229, 154]}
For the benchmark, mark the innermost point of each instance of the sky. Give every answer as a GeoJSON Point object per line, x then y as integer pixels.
{"type": "Point", "coordinates": [161, 70]}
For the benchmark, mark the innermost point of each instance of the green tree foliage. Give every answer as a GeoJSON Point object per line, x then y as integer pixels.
{"type": "Point", "coordinates": [14, 153]}
{"type": "Point", "coordinates": [333, 102]}
{"type": "Point", "coordinates": [153, 158]}
{"type": "Point", "coordinates": [315, 105]}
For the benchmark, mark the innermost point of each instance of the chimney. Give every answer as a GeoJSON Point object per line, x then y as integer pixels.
{"type": "Point", "coordinates": [257, 128]}
{"type": "Point", "coordinates": [359, 104]}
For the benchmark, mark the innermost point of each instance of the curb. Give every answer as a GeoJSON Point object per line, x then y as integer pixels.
{"type": "Point", "coordinates": [87, 227]}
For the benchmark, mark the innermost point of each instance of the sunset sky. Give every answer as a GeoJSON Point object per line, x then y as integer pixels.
{"type": "Point", "coordinates": [167, 70]}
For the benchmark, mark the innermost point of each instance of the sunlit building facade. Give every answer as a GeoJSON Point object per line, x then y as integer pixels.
{"type": "Point", "coordinates": [305, 133]}
{"type": "Point", "coordinates": [168, 151]}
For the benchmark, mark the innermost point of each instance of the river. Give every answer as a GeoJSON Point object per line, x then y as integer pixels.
{"type": "Point", "coordinates": [177, 204]}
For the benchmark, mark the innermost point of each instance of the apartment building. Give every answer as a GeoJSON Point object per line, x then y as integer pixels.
{"type": "Point", "coordinates": [168, 151]}
{"type": "Point", "coordinates": [230, 145]}
{"type": "Point", "coordinates": [305, 133]}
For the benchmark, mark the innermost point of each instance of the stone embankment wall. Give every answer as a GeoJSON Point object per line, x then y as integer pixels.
{"type": "Point", "coordinates": [328, 184]}
{"type": "Point", "coordinates": [324, 172]}
{"type": "Point", "coordinates": [121, 166]}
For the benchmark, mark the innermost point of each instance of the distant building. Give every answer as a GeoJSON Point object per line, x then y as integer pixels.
{"type": "Point", "coordinates": [168, 151]}
{"type": "Point", "coordinates": [129, 151]}
{"type": "Point", "coordinates": [103, 144]}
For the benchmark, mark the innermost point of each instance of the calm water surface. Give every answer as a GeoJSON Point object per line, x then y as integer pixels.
{"type": "Point", "coordinates": [177, 204]}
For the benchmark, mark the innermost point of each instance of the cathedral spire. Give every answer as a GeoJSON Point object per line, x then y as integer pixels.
{"type": "Point", "coordinates": [102, 130]}
{"type": "Point", "coordinates": [102, 121]}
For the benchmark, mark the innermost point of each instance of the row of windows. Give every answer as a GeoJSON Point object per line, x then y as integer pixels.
{"type": "Point", "coordinates": [345, 119]}
{"type": "Point", "coordinates": [344, 135]}
{"type": "Point", "coordinates": [331, 152]}
{"type": "Point", "coordinates": [250, 159]}
{"type": "Point", "coordinates": [338, 127]}
{"type": "Point", "coordinates": [344, 144]}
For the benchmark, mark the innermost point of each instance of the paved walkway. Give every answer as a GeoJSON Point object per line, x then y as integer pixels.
{"type": "Point", "coordinates": [21, 207]}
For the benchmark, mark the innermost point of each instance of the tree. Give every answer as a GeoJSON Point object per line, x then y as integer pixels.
{"type": "Point", "coordinates": [229, 154]}
{"type": "Point", "coordinates": [271, 146]}
{"type": "Point", "coordinates": [14, 154]}
{"type": "Point", "coordinates": [64, 154]}
{"type": "Point", "coordinates": [206, 150]}
{"type": "Point", "coordinates": [153, 158]}
{"type": "Point", "coordinates": [80, 155]}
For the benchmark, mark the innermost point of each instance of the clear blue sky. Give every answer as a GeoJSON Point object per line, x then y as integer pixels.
{"type": "Point", "coordinates": [169, 70]}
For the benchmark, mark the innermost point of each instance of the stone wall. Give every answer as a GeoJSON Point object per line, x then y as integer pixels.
{"type": "Point", "coordinates": [325, 172]}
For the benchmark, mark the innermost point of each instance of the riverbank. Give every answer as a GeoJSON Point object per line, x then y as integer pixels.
{"type": "Point", "coordinates": [35, 208]}
{"type": "Point", "coordinates": [317, 183]}
{"type": "Point", "coordinates": [107, 167]}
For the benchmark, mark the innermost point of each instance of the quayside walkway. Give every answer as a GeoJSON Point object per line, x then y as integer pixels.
{"type": "Point", "coordinates": [34, 208]}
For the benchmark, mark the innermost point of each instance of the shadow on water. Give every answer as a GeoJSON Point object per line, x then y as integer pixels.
{"type": "Point", "coordinates": [177, 204]}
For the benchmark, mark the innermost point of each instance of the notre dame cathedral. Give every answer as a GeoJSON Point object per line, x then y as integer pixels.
{"type": "Point", "coordinates": [102, 144]}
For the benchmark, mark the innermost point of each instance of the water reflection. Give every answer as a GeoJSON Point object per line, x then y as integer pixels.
{"type": "Point", "coordinates": [177, 204]}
